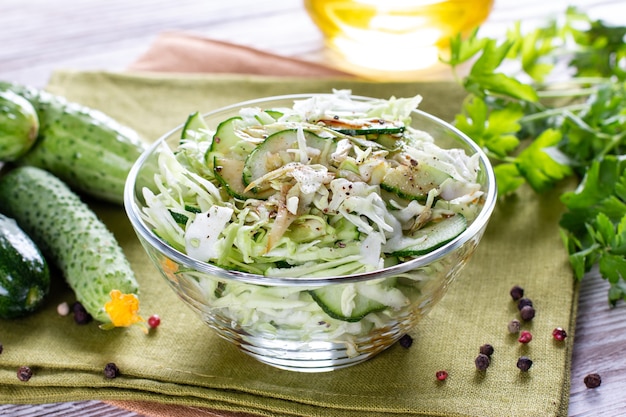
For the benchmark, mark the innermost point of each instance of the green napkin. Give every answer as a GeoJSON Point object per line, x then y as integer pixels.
{"type": "Point", "coordinates": [184, 363]}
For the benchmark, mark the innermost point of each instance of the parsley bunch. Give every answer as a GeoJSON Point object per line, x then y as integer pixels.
{"type": "Point", "coordinates": [539, 130]}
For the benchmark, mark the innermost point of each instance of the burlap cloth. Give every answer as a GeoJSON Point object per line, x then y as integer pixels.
{"type": "Point", "coordinates": [183, 369]}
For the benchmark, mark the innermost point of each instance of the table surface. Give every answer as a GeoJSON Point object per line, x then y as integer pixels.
{"type": "Point", "coordinates": [40, 36]}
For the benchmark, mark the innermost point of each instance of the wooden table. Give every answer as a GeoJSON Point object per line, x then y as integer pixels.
{"type": "Point", "coordinates": [39, 36]}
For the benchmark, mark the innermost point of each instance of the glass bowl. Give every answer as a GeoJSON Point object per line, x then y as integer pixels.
{"type": "Point", "coordinates": [276, 320]}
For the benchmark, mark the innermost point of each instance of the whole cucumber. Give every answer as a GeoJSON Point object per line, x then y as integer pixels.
{"type": "Point", "coordinates": [87, 149]}
{"type": "Point", "coordinates": [24, 272]}
{"type": "Point", "coordinates": [19, 126]}
{"type": "Point", "coordinates": [69, 234]}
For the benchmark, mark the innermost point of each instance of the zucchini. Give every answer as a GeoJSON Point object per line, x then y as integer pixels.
{"type": "Point", "coordinates": [85, 148]}
{"type": "Point", "coordinates": [19, 126]}
{"type": "Point", "coordinates": [69, 234]}
{"type": "Point", "coordinates": [413, 182]}
{"type": "Point", "coordinates": [24, 272]}
{"type": "Point", "coordinates": [278, 149]}
{"type": "Point", "coordinates": [432, 236]}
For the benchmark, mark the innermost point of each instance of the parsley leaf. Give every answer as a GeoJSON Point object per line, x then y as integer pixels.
{"type": "Point", "coordinates": [494, 130]}
{"type": "Point", "coordinates": [538, 164]}
{"type": "Point", "coordinates": [539, 133]}
{"type": "Point", "coordinates": [483, 80]}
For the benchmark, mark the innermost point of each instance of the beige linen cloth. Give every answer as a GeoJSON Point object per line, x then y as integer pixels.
{"type": "Point", "coordinates": [183, 369]}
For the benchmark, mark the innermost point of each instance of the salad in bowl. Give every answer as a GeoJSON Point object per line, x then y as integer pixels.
{"type": "Point", "coordinates": [312, 231]}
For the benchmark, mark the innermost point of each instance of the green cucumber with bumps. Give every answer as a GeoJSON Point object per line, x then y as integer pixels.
{"type": "Point", "coordinates": [69, 234]}
{"type": "Point", "coordinates": [19, 126]}
{"type": "Point", "coordinates": [87, 149]}
{"type": "Point", "coordinates": [24, 272]}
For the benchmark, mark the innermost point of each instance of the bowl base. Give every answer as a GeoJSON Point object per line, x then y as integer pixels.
{"type": "Point", "coordinates": [313, 356]}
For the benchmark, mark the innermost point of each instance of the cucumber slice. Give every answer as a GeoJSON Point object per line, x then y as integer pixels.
{"type": "Point", "coordinates": [413, 182]}
{"type": "Point", "coordinates": [228, 143]}
{"type": "Point", "coordinates": [363, 126]}
{"type": "Point", "coordinates": [225, 137]}
{"type": "Point", "coordinates": [306, 229]}
{"type": "Point", "coordinates": [278, 150]}
{"type": "Point", "coordinates": [346, 230]}
{"type": "Point", "coordinates": [434, 235]}
{"type": "Point", "coordinates": [330, 300]}
{"type": "Point", "coordinates": [388, 141]}
{"type": "Point", "coordinates": [276, 114]}
{"type": "Point", "coordinates": [228, 173]}
{"type": "Point", "coordinates": [195, 122]}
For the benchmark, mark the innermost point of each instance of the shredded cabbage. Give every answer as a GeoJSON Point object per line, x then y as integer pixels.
{"type": "Point", "coordinates": [330, 213]}
{"type": "Point", "coordinates": [347, 184]}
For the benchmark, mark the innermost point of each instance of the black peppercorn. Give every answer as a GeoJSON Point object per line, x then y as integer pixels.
{"type": "Point", "coordinates": [523, 302]}
{"type": "Point", "coordinates": [482, 362]}
{"type": "Point", "coordinates": [24, 373]}
{"type": "Point", "coordinates": [111, 370]}
{"type": "Point", "coordinates": [486, 349]}
{"type": "Point", "coordinates": [527, 313]}
{"type": "Point", "coordinates": [517, 292]}
{"type": "Point", "coordinates": [524, 363]}
{"type": "Point", "coordinates": [81, 316]}
{"type": "Point", "coordinates": [1, 348]}
{"type": "Point", "coordinates": [593, 381]}
{"type": "Point", "coordinates": [406, 341]}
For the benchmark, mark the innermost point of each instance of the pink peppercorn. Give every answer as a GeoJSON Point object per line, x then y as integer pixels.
{"type": "Point", "coordinates": [154, 321]}
{"type": "Point", "coordinates": [559, 334]}
{"type": "Point", "coordinates": [441, 375]}
{"type": "Point", "coordinates": [525, 337]}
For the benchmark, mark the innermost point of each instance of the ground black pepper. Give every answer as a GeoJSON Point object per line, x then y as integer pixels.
{"type": "Point", "coordinates": [406, 341]}
{"type": "Point", "coordinates": [593, 380]}
{"type": "Point", "coordinates": [524, 363]}
{"type": "Point", "coordinates": [482, 362]}
{"type": "Point", "coordinates": [517, 292]}
{"type": "Point", "coordinates": [111, 370]}
{"type": "Point", "coordinates": [24, 373]}
{"type": "Point", "coordinates": [527, 313]}
{"type": "Point", "coordinates": [486, 349]}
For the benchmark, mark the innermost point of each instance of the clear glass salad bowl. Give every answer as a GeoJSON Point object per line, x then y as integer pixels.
{"type": "Point", "coordinates": [296, 323]}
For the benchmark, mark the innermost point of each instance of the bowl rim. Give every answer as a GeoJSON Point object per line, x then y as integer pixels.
{"type": "Point", "coordinates": [144, 232]}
